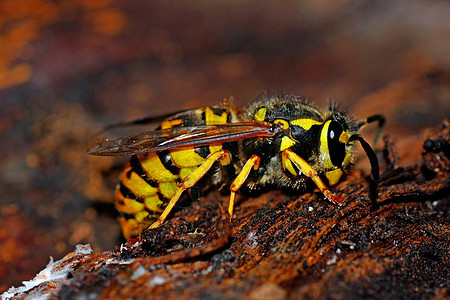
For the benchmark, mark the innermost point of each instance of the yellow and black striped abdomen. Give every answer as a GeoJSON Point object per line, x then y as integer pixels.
{"type": "Point", "coordinates": [149, 181]}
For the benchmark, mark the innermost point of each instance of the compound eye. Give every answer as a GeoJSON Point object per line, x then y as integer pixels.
{"type": "Point", "coordinates": [335, 147]}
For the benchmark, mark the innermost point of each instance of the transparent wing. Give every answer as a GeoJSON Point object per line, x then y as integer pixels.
{"type": "Point", "coordinates": [177, 138]}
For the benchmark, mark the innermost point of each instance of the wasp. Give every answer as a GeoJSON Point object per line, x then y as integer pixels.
{"type": "Point", "coordinates": [276, 141]}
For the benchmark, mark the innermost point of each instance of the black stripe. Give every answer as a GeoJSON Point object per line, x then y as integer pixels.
{"type": "Point", "coordinates": [232, 148]}
{"type": "Point", "coordinates": [164, 200]}
{"type": "Point", "coordinates": [164, 157]}
{"type": "Point", "coordinates": [127, 193]}
{"type": "Point", "coordinates": [203, 116]}
{"type": "Point", "coordinates": [136, 167]}
{"type": "Point", "coordinates": [203, 151]}
{"type": "Point", "coordinates": [218, 111]}
{"type": "Point", "coordinates": [126, 216]}
{"type": "Point", "coordinates": [128, 174]}
{"type": "Point", "coordinates": [161, 196]}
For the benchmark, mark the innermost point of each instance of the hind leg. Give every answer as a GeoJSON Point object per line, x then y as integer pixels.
{"type": "Point", "coordinates": [190, 181]}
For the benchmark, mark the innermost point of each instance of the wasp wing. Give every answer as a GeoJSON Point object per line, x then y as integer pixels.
{"type": "Point", "coordinates": [178, 138]}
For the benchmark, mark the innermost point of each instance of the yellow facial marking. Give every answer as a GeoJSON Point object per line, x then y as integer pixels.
{"type": "Point", "coordinates": [324, 151]}
{"type": "Point", "coordinates": [305, 123]}
{"type": "Point", "coordinates": [333, 176]}
{"type": "Point", "coordinates": [153, 166]}
{"type": "Point", "coordinates": [286, 142]}
{"type": "Point", "coordinates": [260, 114]}
{"type": "Point", "coordinates": [186, 158]}
{"type": "Point", "coordinates": [284, 123]}
{"type": "Point", "coordinates": [169, 124]}
{"type": "Point", "coordinates": [344, 137]}
{"type": "Point", "coordinates": [212, 119]}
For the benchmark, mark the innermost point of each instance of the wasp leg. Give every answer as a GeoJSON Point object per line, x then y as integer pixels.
{"type": "Point", "coordinates": [190, 181]}
{"type": "Point", "coordinates": [307, 170]}
{"type": "Point", "coordinates": [253, 162]}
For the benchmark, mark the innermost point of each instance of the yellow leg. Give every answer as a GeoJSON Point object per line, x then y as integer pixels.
{"type": "Point", "coordinates": [189, 182]}
{"type": "Point", "coordinates": [253, 162]}
{"type": "Point", "coordinates": [307, 170]}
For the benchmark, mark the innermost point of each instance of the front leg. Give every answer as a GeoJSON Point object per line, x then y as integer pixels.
{"type": "Point", "coordinates": [308, 171]}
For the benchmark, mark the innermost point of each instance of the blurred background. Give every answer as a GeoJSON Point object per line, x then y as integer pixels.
{"type": "Point", "coordinates": [69, 67]}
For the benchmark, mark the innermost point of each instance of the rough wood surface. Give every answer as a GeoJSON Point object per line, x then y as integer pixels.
{"type": "Point", "coordinates": [67, 68]}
